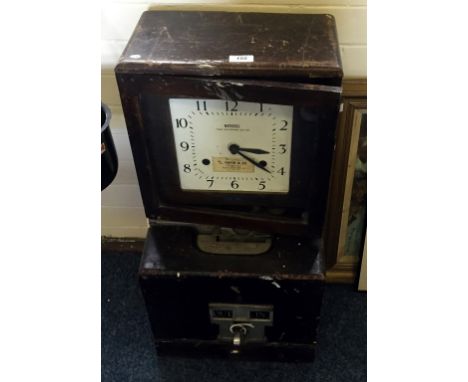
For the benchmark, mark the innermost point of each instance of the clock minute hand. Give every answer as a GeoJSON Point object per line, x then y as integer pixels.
{"type": "Point", "coordinates": [255, 163]}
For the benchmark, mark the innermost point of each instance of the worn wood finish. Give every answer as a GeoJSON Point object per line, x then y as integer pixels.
{"type": "Point", "coordinates": [200, 43]}
{"type": "Point", "coordinates": [145, 101]}
{"type": "Point", "coordinates": [343, 268]}
{"type": "Point", "coordinates": [159, 48]}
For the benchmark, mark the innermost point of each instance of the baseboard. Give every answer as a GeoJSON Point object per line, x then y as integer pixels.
{"type": "Point", "coordinates": [122, 244]}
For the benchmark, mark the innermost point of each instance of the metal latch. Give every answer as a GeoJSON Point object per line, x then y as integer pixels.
{"type": "Point", "coordinates": [229, 241]}
{"type": "Point", "coordinates": [241, 323]}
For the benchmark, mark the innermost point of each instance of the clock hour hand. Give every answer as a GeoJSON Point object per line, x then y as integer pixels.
{"type": "Point", "coordinates": [234, 149]}
{"type": "Point", "coordinates": [253, 151]}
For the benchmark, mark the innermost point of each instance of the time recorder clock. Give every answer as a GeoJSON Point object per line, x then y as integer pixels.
{"type": "Point", "coordinates": [231, 119]}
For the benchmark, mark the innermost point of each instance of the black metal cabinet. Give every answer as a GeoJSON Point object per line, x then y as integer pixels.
{"type": "Point", "coordinates": [179, 289]}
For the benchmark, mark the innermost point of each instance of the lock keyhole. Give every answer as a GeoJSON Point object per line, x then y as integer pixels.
{"type": "Point", "coordinates": [239, 330]}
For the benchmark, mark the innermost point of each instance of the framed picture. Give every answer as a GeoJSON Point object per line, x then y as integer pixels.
{"type": "Point", "coordinates": [345, 229]}
{"type": "Point", "coordinates": [362, 285]}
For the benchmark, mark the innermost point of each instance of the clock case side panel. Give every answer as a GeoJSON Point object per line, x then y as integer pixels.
{"type": "Point", "coordinates": [151, 137]}
{"type": "Point", "coordinates": [135, 127]}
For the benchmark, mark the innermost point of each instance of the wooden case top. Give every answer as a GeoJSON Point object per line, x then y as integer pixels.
{"type": "Point", "coordinates": [285, 46]}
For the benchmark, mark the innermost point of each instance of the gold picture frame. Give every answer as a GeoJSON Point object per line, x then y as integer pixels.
{"type": "Point", "coordinates": [362, 285]}
{"type": "Point", "coordinates": [346, 215]}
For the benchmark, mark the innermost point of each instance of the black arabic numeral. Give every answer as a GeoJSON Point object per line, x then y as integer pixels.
{"type": "Point", "coordinates": [262, 185]}
{"type": "Point", "coordinates": [234, 108]}
{"type": "Point", "coordinates": [203, 105]}
{"type": "Point", "coordinates": [187, 168]}
{"type": "Point", "coordinates": [184, 145]}
{"type": "Point", "coordinates": [283, 128]}
{"type": "Point", "coordinates": [181, 122]}
{"type": "Point", "coordinates": [281, 171]}
{"type": "Point", "coordinates": [234, 185]}
{"type": "Point", "coordinates": [210, 181]}
{"type": "Point", "coordinates": [283, 148]}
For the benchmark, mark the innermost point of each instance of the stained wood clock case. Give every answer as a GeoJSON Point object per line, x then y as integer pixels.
{"type": "Point", "coordinates": [232, 67]}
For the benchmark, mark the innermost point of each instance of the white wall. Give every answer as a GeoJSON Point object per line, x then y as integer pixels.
{"type": "Point", "coordinates": [122, 213]}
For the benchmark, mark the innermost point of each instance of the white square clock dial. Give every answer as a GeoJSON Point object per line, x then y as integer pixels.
{"type": "Point", "coordinates": [232, 146]}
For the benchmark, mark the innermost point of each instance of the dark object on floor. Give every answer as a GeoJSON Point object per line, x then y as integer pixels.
{"type": "Point", "coordinates": [109, 162]}
{"type": "Point", "coordinates": [212, 305]}
{"type": "Point", "coordinates": [128, 352]}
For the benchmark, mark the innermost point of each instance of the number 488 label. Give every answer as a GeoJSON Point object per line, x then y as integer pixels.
{"type": "Point", "coordinates": [242, 58]}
